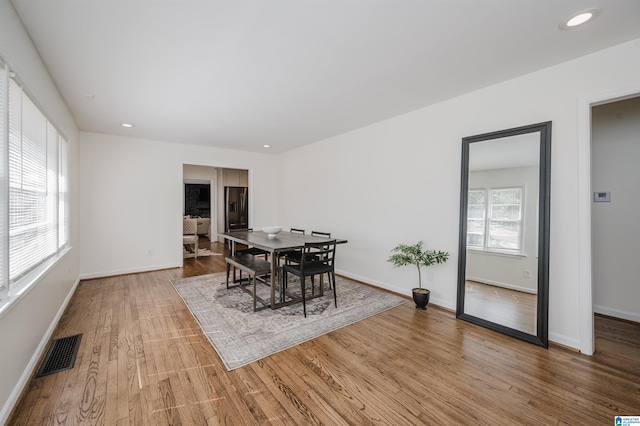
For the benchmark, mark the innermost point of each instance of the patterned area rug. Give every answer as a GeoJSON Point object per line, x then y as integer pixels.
{"type": "Point", "coordinates": [241, 336]}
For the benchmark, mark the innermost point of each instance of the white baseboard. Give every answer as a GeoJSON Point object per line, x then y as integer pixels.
{"type": "Point", "coordinates": [629, 316]}
{"type": "Point", "coordinates": [31, 366]}
{"type": "Point", "coordinates": [375, 283]}
{"type": "Point", "coordinates": [395, 289]}
{"type": "Point", "coordinates": [104, 274]}
{"type": "Point", "coordinates": [564, 341]}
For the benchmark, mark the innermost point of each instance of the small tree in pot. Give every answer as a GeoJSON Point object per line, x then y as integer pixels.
{"type": "Point", "coordinates": [415, 255]}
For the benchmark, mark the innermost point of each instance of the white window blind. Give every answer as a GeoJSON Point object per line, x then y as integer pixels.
{"type": "Point", "coordinates": [37, 186]}
{"type": "Point", "coordinates": [4, 182]}
{"type": "Point", "coordinates": [63, 193]}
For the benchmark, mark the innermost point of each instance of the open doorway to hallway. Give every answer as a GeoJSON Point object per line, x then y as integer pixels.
{"type": "Point", "coordinates": [204, 189]}
{"type": "Point", "coordinates": [615, 230]}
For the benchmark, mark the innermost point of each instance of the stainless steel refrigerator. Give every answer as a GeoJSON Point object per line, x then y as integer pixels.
{"type": "Point", "coordinates": [236, 211]}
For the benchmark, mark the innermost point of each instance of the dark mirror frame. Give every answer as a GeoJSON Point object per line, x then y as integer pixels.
{"type": "Point", "coordinates": [542, 329]}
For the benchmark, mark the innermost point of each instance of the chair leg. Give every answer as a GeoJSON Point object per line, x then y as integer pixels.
{"type": "Point", "coordinates": [335, 296]}
{"type": "Point", "coordinates": [228, 270]}
{"type": "Point", "coordinates": [304, 303]}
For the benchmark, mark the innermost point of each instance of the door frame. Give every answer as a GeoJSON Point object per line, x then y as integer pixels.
{"type": "Point", "coordinates": [587, 327]}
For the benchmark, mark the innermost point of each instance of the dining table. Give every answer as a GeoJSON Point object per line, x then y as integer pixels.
{"type": "Point", "coordinates": [282, 242]}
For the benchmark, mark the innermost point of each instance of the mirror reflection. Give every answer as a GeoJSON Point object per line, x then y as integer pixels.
{"type": "Point", "coordinates": [501, 282]}
{"type": "Point", "coordinates": [504, 232]}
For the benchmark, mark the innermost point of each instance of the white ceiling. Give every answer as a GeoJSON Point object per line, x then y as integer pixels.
{"type": "Point", "coordinates": [240, 74]}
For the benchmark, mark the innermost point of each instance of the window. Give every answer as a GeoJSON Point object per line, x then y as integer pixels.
{"type": "Point", "coordinates": [494, 219]}
{"type": "Point", "coordinates": [475, 218]}
{"type": "Point", "coordinates": [34, 200]}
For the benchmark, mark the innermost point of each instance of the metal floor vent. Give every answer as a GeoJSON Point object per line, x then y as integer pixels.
{"type": "Point", "coordinates": [61, 355]}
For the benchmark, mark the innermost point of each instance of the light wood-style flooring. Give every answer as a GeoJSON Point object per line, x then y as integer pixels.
{"type": "Point", "coordinates": [143, 360]}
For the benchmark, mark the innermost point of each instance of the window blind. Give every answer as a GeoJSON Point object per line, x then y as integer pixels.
{"type": "Point", "coordinates": [4, 182]}
{"type": "Point", "coordinates": [36, 179]}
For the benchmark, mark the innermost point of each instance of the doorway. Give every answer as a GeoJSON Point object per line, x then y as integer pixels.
{"type": "Point", "coordinates": [586, 197]}
{"type": "Point", "coordinates": [216, 178]}
{"type": "Point", "coordinates": [615, 150]}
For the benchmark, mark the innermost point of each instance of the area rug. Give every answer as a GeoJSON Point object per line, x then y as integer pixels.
{"type": "Point", "coordinates": [241, 336]}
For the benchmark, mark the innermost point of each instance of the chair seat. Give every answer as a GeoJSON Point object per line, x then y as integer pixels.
{"type": "Point", "coordinates": [310, 268]}
{"type": "Point", "coordinates": [253, 251]}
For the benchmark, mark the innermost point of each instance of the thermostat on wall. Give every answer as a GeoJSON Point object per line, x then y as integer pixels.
{"type": "Point", "coordinates": [602, 197]}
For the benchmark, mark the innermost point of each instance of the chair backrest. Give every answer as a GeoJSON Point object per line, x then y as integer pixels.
{"type": "Point", "coordinates": [321, 234]}
{"type": "Point", "coordinates": [318, 254]}
{"type": "Point", "coordinates": [189, 226]}
{"type": "Point", "coordinates": [297, 231]}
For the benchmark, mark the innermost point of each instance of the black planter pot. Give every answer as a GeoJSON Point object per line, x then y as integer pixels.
{"type": "Point", "coordinates": [421, 298]}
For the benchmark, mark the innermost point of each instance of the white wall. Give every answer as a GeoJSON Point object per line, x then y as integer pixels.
{"type": "Point", "coordinates": [132, 192]}
{"type": "Point", "coordinates": [26, 327]}
{"type": "Point", "coordinates": [615, 156]}
{"type": "Point", "coordinates": [399, 180]}
{"type": "Point", "coordinates": [506, 270]}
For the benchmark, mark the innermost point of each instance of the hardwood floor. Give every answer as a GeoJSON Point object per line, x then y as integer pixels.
{"type": "Point", "coordinates": [143, 360]}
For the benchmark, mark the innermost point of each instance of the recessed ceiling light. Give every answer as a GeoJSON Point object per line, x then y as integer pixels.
{"type": "Point", "coordinates": [579, 18]}
{"type": "Point", "coordinates": [267, 146]}
{"type": "Point", "coordinates": [127, 125]}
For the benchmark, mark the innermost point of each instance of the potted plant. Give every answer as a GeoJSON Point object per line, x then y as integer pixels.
{"type": "Point", "coordinates": [415, 255]}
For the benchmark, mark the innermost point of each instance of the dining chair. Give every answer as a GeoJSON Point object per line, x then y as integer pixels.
{"type": "Point", "coordinates": [295, 254]}
{"type": "Point", "coordinates": [249, 250]}
{"type": "Point", "coordinates": [321, 234]}
{"type": "Point", "coordinates": [190, 234]}
{"type": "Point", "coordinates": [316, 259]}
{"type": "Point", "coordinates": [325, 235]}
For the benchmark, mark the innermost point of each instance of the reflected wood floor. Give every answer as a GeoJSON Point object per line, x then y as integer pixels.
{"type": "Point", "coordinates": [515, 309]}
{"type": "Point", "coordinates": [143, 360]}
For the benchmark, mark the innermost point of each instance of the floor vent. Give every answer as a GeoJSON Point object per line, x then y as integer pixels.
{"type": "Point", "coordinates": [61, 355]}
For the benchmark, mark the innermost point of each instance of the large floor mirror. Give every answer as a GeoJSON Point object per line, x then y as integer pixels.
{"type": "Point", "coordinates": [503, 271]}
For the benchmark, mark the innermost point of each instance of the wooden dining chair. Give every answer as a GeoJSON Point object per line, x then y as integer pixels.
{"type": "Point", "coordinates": [317, 259]}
